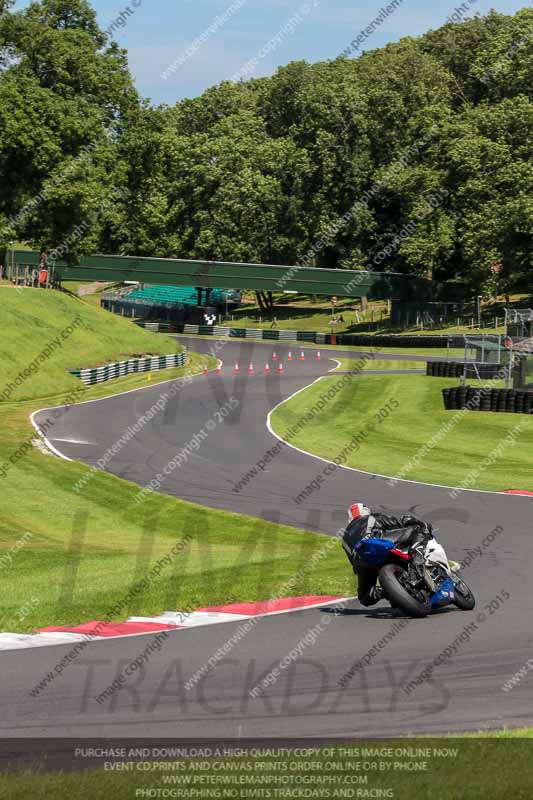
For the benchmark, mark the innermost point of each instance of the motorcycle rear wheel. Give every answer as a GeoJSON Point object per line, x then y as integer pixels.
{"type": "Point", "coordinates": [398, 596]}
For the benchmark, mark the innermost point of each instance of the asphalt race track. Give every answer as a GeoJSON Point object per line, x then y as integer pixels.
{"type": "Point", "coordinates": [463, 693]}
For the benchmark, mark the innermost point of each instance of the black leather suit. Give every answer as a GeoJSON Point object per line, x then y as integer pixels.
{"type": "Point", "coordinates": [404, 531]}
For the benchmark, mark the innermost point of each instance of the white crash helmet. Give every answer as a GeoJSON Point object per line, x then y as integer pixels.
{"type": "Point", "coordinates": [358, 510]}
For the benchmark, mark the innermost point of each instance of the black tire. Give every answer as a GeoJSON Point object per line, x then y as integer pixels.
{"type": "Point", "coordinates": [463, 597]}
{"type": "Point", "coordinates": [398, 596]}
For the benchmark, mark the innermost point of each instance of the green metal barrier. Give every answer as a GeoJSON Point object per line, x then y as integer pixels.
{"type": "Point", "coordinates": [256, 277]}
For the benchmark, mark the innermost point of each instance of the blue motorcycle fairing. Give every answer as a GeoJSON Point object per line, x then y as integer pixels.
{"type": "Point", "coordinates": [445, 594]}
{"type": "Point", "coordinates": [374, 552]}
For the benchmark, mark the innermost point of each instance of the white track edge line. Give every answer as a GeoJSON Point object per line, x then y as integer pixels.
{"type": "Point", "coordinates": [363, 471]}
{"type": "Point", "coordinates": [96, 400]}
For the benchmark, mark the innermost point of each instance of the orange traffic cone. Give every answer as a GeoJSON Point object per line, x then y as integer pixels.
{"type": "Point", "coordinates": [219, 368]}
{"type": "Point", "coordinates": [289, 357]}
{"type": "Point", "coordinates": [302, 356]}
{"type": "Point", "coordinates": [206, 371]}
{"type": "Point", "coordinates": [274, 356]}
{"type": "Point", "coordinates": [267, 368]}
{"type": "Point", "coordinates": [251, 370]}
{"type": "Point", "coordinates": [236, 370]}
{"type": "Point", "coordinates": [318, 356]}
{"type": "Point", "coordinates": [280, 367]}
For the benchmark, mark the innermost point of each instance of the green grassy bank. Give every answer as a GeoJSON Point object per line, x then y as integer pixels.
{"type": "Point", "coordinates": [68, 556]}
{"type": "Point", "coordinates": [413, 439]}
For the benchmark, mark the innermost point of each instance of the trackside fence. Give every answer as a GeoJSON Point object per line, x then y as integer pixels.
{"type": "Point", "coordinates": [120, 368]}
{"type": "Point", "coordinates": [386, 340]}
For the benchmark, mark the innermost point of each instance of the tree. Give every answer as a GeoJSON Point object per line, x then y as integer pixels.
{"type": "Point", "coordinates": [64, 99]}
{"type": "Point", "coordinates": [413, 158]}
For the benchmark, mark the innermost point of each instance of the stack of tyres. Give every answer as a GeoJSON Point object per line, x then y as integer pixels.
{"type": "Point", "coordinates": [510, 401]}
{"type": "Point", "coordinates": [485, 400]}
{"type": "Point", "coordinates": [453, 398]}
{"type": "Point", "coordinates": [461, 396]}
{"type": "Point", "coordinates": [474, 398]}
{"type": "Point", "coordinates": [477, 398]}
{"type": "Point", "coordinates": [502, 400]}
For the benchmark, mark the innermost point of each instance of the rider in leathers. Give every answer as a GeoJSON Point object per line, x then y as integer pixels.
{"type": "Point", "coordinates": [406, 530]}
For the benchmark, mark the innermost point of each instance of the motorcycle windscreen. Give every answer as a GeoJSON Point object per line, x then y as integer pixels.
{"type": "Point", "coordinates": [374, 552]}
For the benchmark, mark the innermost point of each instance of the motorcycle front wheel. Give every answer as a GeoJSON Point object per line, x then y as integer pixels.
{"type": "Point", "coordinates": [398, 596]}
{"type": "Point", "coordinates": [462, 596]}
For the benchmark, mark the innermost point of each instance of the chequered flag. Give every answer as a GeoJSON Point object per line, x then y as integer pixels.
{"type": "Point", "coordinates": [210, 319]}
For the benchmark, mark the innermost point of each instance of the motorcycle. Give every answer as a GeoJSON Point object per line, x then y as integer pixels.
{"type": "Point", "coordinates": [441, 585]}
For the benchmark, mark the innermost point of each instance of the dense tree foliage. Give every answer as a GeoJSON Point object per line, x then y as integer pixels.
{"type": "Point", "coordinates": [413, 158]}
{"type": "Point", "coordinates": [65, 100]}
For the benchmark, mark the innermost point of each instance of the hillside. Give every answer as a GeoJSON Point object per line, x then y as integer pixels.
{"type": "Point", "coordinates": [44, 522]}
{"type": "Point", "coordinates": [51, 332]}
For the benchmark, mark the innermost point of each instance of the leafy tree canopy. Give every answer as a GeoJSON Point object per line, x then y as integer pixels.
{"type": "Point", "coordinates": [416, 157]}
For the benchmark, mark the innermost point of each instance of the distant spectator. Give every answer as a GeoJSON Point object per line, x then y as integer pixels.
{"type": "Point", "coordinates": [43, 270]}
{"type": "Point", "coordinates": [274, 323]}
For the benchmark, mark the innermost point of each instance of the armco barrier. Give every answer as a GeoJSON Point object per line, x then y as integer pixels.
{"type": "Point", "coordinates": [362, 340]}
{"type": "Point", "coordinates": [120, 368]}
{"type": "Point", "coordinates": [508, 401]}
{"type": "Point", "coordinates": [456, 369]}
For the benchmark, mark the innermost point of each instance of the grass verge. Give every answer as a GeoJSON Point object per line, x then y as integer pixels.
{"type": "Point", "coordinates": [68, 557]}
{"type": "Point", "coordinates": [410, 441]}
{"type": "Point", "coordinates": [391, 364]}
{"type": "Point", "coordinates": [489, 767]}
